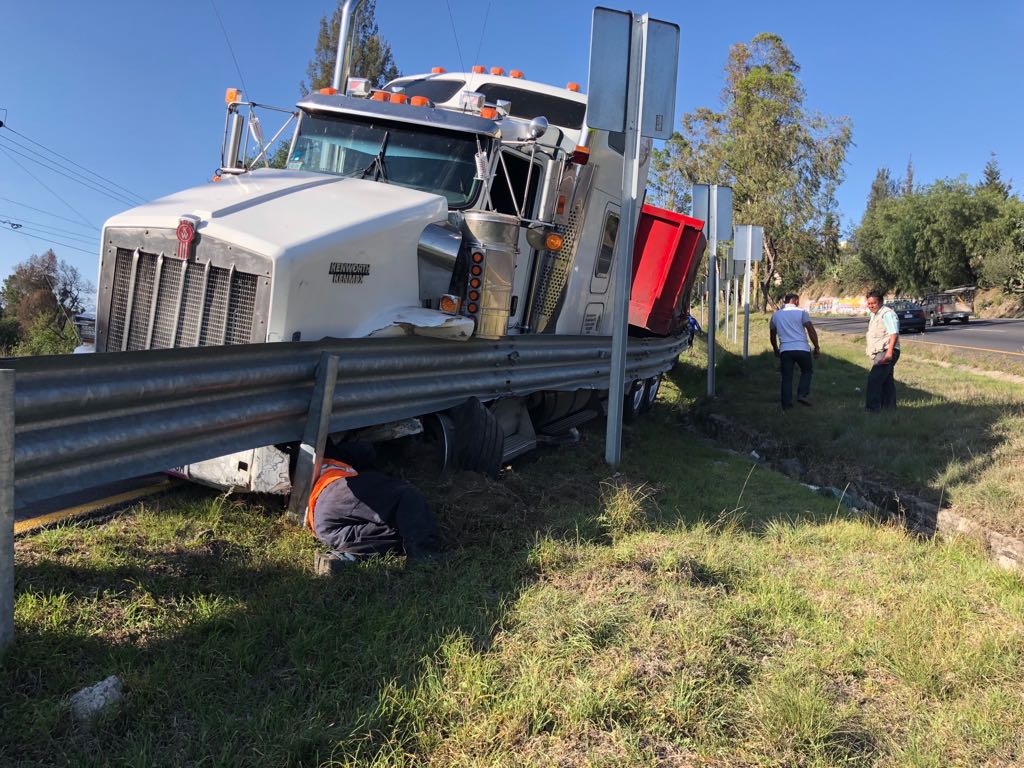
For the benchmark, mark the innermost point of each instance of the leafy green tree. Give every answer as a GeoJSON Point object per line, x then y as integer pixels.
{"type": "Point", "coordinates": [948, 233]}
{"type": "Point", "coordinates": [44, 287]}
{"type": "Point", "coordinates": [668, 187]}
{"type": "Point", "coordinates": [908, 180]}
{"type": "Point", "coordinates": [45, 338]}
{"type": "Point", "coordinates": [371, 54]}
{"type": "Point", "coordinates": [883, 187]}
{"type": "Point", "coordinates": [782, 161]}
{"type": "Point", "coordinates": [371, 58]}
{"type": "Point", "coordinates": [992, 179]}
{"type": "Point", "coordinates": [10, 336]}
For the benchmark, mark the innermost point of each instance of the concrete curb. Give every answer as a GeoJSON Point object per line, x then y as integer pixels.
{"type": "Point", "coordinates": [918, 515]}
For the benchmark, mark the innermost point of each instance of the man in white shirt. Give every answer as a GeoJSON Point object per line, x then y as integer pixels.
{"type": "Point", "coordinates": [790, 328]}
{"type": "Point", "coordinates": [883, 347]}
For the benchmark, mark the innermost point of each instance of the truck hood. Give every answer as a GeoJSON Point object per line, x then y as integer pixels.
{"type": "Point", "coordinates": [273, 212]}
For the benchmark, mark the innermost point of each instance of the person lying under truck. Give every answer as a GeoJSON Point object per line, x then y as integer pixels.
{"type": "Point", "coordinates": [357, 511]}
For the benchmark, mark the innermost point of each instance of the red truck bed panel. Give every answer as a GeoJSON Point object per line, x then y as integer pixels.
{"type": "Point", "coordinates": [666, 256]}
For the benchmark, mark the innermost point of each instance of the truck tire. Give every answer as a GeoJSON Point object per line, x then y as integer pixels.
{"type": "Point", "coordinates": [479, 438]}
{"type": "Point", "coordinates": [440, 433]}
{"type": "Point", "coordinates": [651, 388]}
{"type": "Point", "coordinates": [964, 319]}
{"type": "Point", "coordinates": [633, 402]}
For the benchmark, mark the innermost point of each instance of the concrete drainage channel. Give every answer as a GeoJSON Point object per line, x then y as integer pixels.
{"type": "Point", "coordinates": [865, 495]}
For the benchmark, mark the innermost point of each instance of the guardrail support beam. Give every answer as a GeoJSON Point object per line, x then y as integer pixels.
{"type": "Point", "coordinates": [314, 438]}
{"type": "Point", "coordinates": [6, 508]}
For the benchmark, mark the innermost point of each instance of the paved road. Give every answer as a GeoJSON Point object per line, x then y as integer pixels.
{"type": "Point", "coordinates": [1002, 336]}
{"type": "Point", "coordinates": [89, 502]}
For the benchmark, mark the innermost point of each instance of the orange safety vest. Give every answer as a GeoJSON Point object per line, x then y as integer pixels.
{"type": "Point", "coordinates": [330, 472]}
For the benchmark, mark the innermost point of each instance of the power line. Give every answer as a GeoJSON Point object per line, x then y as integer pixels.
{"type": "Point", "coordinates": [22, 225]}
{"type": "Point", "coordinates": [68, 159]}
{"type": "Point", "coordinates": [55, 242]}
{"type": "Point", "coordinates": [67, 174]}
{"type": "Point", "coordinates": [43, 185]}
{"type": "Point", "coordinates": [39, 225]}
{"type": "Point", "coordinates": [52, 164]}
{"type": "Point", "coordinates": [455, 34]}
{"type": "Point", "coordinates": [483, 31]}
{"type": "Point", "coordinates": [48, 213]}
{"type": "Point", "coordinates": [227, 39]}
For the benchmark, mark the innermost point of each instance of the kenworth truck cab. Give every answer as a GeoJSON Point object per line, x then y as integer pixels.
{"type": "Point", "coordinates": [447, 205]}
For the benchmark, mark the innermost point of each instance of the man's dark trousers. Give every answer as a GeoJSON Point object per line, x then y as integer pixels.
{"type": "Point", "coordinates": [881, 392]}
{"type": "Point", "coordinates": [789, 359]}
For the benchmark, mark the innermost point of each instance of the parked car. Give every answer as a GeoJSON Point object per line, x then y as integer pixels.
{"type": "Point", "coordinates": [911, 315]}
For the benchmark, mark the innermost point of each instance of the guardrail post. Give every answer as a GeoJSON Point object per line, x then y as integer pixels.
{"type": "Point", "coordinates": [314, 438]}
{"type": "Point", "coordinates": [6, 508]}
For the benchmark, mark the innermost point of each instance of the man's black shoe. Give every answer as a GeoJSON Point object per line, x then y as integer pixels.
{"type": "Point", "coordinates": [330, 563]}
{"type": "Point", "coordinates": [803, 401]}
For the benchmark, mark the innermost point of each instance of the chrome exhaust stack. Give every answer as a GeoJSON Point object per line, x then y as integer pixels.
{"type": "Point", "coordinates": [344, 57]}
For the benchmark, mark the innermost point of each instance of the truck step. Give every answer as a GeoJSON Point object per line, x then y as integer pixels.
{"type": "Point", "coordinates": [568, 422]}
{"type": "Point", "coordinates": [517, 445]}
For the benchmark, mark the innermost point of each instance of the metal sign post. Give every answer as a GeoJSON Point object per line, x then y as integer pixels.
{"type": "Point", "coordinates": [633, 65]}
{"type": "Point", "coordinates": [735, 305]}
{"type": "Point", "coordinates": [726, 293]}
{"type": "Point", "coordinates": [6, 508]}
{"type": "Point", "coordinates": [749, 244]}
{"type": "Point", "coordinates": [712, 204]}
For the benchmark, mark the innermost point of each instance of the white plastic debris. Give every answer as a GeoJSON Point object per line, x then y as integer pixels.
{"type": "Point", "coordinates": [89, 703]}
{"type": "Point", "coordinates": [755, 455]}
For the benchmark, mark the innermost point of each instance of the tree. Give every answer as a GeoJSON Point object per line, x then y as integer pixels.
{"type": "Point", "coordinates": [45, 338]}
{"type": "Point", "coordinates": [992, 179]}
{"type": "Point", "coordinates": [782, 162]}
{"type": "Point", "coordinates": [668, 187]}
{"type": "Point", "coordinates": [882, 188]}
{"type": "Point", "coordinates": [41, 297]}
{"type": "Point", "coordinates": [371, 55]}
{"type": "Point", "coordinates": [44, 286]}
{"type": "Point", "coordinates": [371, 58]}
{"type": "Point", "coordinates": [948, 233]}
{"type": "Point", "coordinates": [908, 181]}
{"type": "Point", "coordinates": [10, 336]}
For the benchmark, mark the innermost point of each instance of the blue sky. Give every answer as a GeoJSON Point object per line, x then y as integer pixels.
{"type": "Point", "coordinates": [134, 90]}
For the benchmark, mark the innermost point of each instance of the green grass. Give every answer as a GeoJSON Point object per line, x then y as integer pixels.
{"type": "Point", "coordinates": [956, 438]}
{"type": "Point", "coordinates": [693, 609]}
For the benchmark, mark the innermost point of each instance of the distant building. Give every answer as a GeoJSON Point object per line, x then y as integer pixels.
{"type": "Point", "coordinates": [85, 326]}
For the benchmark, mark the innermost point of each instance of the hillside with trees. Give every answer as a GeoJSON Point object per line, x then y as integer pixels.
{"type": "Point", "coordinates": [914, 239]}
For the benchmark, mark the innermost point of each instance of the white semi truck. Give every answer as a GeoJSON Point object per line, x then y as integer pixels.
{"type": "Point", "coordinates": [469, 206]}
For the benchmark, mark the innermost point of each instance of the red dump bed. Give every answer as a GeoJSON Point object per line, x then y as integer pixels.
{"type": "Point", "coordinates": [666, 256]}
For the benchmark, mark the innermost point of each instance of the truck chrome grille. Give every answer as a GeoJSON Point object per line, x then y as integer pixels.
{"type": "Point", "coordinates": [161, 302]}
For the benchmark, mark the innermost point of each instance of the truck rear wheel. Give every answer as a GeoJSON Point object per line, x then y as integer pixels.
{"type": "Point", "coordinates": [479, 438]}
{"type": "Point", "coordinates": [651, 388]}
{"type": "Point", "coordinates": [633, 402]}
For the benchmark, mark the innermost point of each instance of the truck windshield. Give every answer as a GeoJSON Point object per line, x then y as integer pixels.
{"type": "Point", "coordinates": [413, 156]}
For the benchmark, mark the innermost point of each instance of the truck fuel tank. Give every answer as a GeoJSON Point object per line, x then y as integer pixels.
{"type": "Point", "coordinates": [490, 252]}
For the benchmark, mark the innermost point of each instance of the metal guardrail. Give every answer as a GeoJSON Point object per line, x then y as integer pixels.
{"type": "Point", "coordinates": [80, 421]}
{"type": "Point", "coordinates": [86, 420]}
